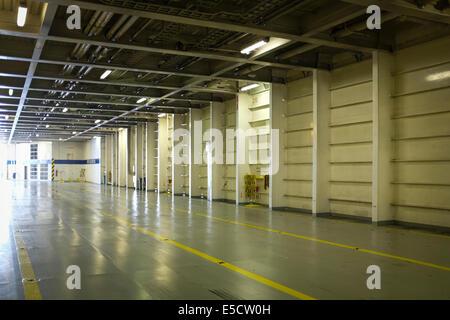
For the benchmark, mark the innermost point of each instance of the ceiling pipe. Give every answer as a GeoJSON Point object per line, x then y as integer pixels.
{"type": "Point", "coordinates": [360, 26]}
{"type": "Point", "coordinates": [124, 28]}
{"type": "Point", "coordinates": [116, 26]}
{"type": "Point", "coordinates": [336, 35]}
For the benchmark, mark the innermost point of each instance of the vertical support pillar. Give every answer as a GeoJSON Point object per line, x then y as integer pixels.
{"type": "Point", "coordinates": [163, 155]}
{"type": "Point", "coordinates": [123, 157]}
{"type": "Point", "coordinates": [382, 138]}
{"type": "Point", "coordinates": [195, 152]}
{"type": "Point", "coordinates": [321, 143]}
{"type": "Point", "coordinates": [139, 157]}
{"type": "Point", "coordinates": [243, 116]}
{"type": "Point", "coordinates": [152, 157]}
{"type": "Point", "coordinates": [177, 168]}
{"type": "Point", "coordinates": [278, 110]}
{"type": "Point", "coordinates": [217, 169]}
{"type": "Point", "coordinates": [131, 164]}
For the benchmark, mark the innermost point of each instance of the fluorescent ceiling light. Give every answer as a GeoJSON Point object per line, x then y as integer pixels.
{"type": "Point", "coordinates": [47, 126]}
{"type": "Point", "coordinates": [253, 47]}
{"type": "Point", "coordinates": [105, 74]}
{"type": "Point", "coordinates": [21, 16]}
{"type": "Point", "coordinates": [141, 100]}
{"type": "Point", "coordinates": [250, 87]}
{"type": "Point", "coordinates": [37, 134]}
{"type": "Point", "coordinates": [65, 110]}
{"type": "Point", "coordinates": [161, 115]}
{"type": "Point", "coordinates": [97, 121]}
{"type": "Point", "coordinates": [60, 139]}
{"type": "Point", "coordinates": [74, 132]}
{"type": "Point", "coordinates": [11, 92]}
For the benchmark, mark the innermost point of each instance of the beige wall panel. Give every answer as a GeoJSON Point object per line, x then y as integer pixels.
{"type": "Point", "coordinates": [422, 172]}
{"type": "Point", "coordinates": [299, 203]}
{"type": "Point", "coordinates": [354, 209]}
{"type": "Point", "coordinates": [303, 104]}
{"type": "Point", "coordinates": [301, 138]}
{"type": "Point", "coordinates": [299, 155]}
{"type": "Point", "coordinates": [299, 188]}
{"type": "Point", "coordinates": [351, 114]}
{"type": "Point", "coordinates": [355, 133]}
{"type": "Point", "coordinates": [421, 80]}
{"type": "Point", "coordinates": [423, 196]}
{"type": "Point", "coordinates": [300, 88]}
{"type": "Point", "coordinates": [303, 172]}
{"type": "Point", "coordinates": [260, 114]}
{"type": "Point", "coordinates": [425, 102]}
{"type": "Point", "coordinates": [261, 99]}
{"type": "Point", "coordinates": [353, 172]}
{"type": "Point", "coordinates": [351, 153]}
{"type": "Point", "coordinates": [354, 73]}
{"type": "Point", "coordinates": [424, 55]}
{"type": "Point", "coordinates": [350, 191]}
{"type": "Point", "coordinates": [354, 94]}
{"type": "Point", "coordinates": [424, 126]}
{"type": "Point", "coordinates": [438, 149]}
{"type": "Point", "coordinates": [421, 216]}
{"type": "Point", "coordinates": [299, 122]}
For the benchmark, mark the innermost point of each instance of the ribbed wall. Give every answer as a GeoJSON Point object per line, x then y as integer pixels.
{"type": "Point", "coordinates": [229, 122]}
{"type": "Point", "coordinates": [421, 160]}
{"type": "Point", "coordinates": [206, 119]}
{"type": "Point", "coordinates": [351, 140]}
{"type": "Point", "coordinates": [298, 141]}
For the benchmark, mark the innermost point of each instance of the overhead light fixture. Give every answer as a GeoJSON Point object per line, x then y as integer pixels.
{"type": "Point", "coordinates": [22, 14]}
{"type": "Point", "coordinates": [65, 110]}
{"type": "Point", "coordinates": [10, 92]}
{"type": "Point", "coordinates": [53, 109]}
{"type": "Point", "coordinates": [98, 121]}
{"type": "Point", "coordinates": [60, 139]}
{"type": "Point", "coordinates": [6, 117]}
{"type": "Point", "coordinates": [47, 126]}
{"type": "Point", "coordinates": [37, 134]}
{"type": "Point", "coordinates": [141, 100]}
{"type": "Point", "coordinates": [253, 47]}
{"type": "Point", "coordinates": [161, 115]}
{"type": "Point", "coordinates": [105, 74]}
{"type": "Point", "coordinates": [250, 87]}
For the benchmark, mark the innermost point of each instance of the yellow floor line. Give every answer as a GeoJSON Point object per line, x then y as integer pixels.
{"type": "Point", "coordinates": [423, 263]}
{"type": "Point", "coordinates": [30, 284]}
{"type": "Point", "coordinates": [222, 263]}
{"type": "Point", "coordinates": [298, 214]}
{"type": "Point", "coordinates": [359, 223]}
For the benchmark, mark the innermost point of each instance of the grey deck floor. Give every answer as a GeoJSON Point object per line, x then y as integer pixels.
{"type": "Point", "coordinates": [75, 224]}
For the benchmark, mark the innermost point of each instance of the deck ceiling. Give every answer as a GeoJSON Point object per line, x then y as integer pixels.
{"type": "Point", "coordinates": [177, 54]}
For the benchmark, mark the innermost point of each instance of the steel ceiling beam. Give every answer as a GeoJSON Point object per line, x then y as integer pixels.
{"type": "Point", "coordinates": [100, 103]}
{"type": "Point", "coordinates": [124, 46]}
{"type": "Point", "coordinates": [134, 84]}
{"type": "Point", "coordinates": [94, 93]}
{"type": "Point", "coordinates": [45, 28]}
{"type": "Point", "coordinates": [402, 7]}
{"type": "Point", "coordinates": [123, 68]}
{"type": "Point", "coordinates": [264, 32]}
